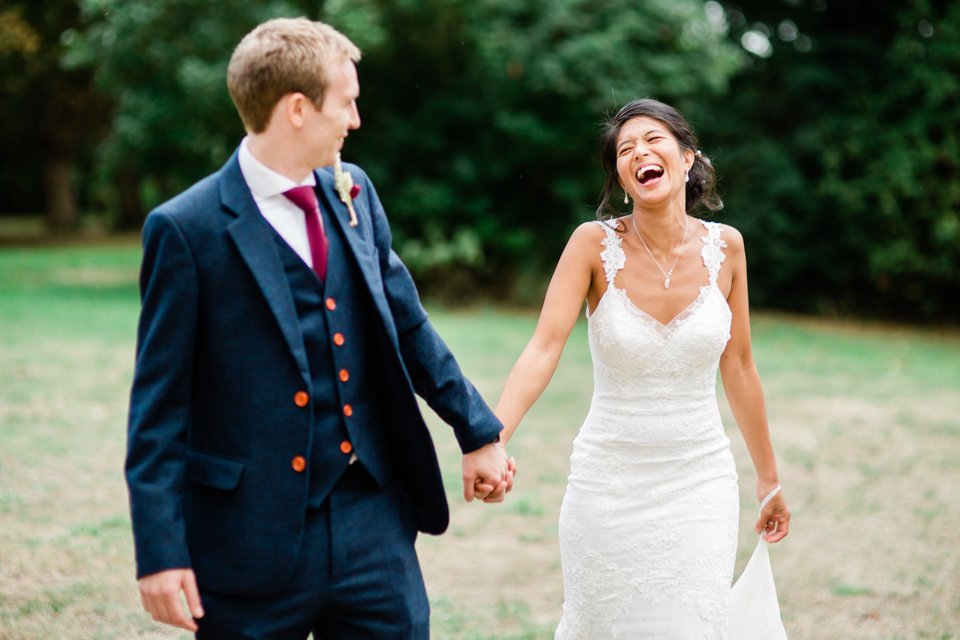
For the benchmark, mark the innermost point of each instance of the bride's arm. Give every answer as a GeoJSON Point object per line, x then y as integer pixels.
{"type": "Point", "coordinates": [561, 307]}
{"type": "Point", "coordinates": [741, 383]}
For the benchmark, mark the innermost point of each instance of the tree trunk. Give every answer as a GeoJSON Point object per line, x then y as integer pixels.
{"type": "Point", "coordinates": [62, 210]}
{"type": "Point", "coordinates": [131, 204]}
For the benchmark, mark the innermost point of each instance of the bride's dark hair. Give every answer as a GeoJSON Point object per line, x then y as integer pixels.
{"type": "Point", "coordinates": [702, 187]}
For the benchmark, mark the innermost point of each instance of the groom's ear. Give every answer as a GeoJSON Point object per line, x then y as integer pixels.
{"type": "Point", "coordinates": [295, 107]}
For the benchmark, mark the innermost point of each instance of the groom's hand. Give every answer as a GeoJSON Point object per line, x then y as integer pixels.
{"type": "Point", "coordinates": [486, 473]}
{"type": "Point", "coordinates": [160, 594]}
{"type": "Point", "coordinates": [495, 496]}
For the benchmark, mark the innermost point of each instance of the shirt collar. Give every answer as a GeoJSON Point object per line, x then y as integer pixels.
{"type": "Point", "coordinates": [263, 181]}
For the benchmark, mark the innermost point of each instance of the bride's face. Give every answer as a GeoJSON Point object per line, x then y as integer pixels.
{"type": "Point", "coordinates": [651, 164]}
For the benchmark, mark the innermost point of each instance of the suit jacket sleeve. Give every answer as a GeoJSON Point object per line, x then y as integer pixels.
{"type": "Point", "coordinates": [435, 374]}
{"type": "Point", "coordinates": [161, 397]}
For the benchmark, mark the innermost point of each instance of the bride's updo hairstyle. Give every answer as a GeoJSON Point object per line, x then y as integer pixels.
{"type": "Point", "coordinates": [702, 187]}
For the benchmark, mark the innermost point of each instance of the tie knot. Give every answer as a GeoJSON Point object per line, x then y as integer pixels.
{"type": "Point", "coordinates": [303, 197]}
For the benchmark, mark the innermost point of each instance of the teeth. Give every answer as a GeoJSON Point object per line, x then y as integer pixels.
{"type": "Point", "coordinates": [649, 167]}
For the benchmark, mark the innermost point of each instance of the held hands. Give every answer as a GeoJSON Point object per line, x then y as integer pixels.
{"type": "Point", "coordinates": [774, 520]}
{"type": "Point", "coordinates": [160, 595]}
{"type": "Point", "coordinates": [488, 473]}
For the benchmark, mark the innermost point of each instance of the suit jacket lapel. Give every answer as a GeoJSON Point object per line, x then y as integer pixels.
{"type": "Point", "coordinates": [359, 248]}
{"type": "Point", "coordinates": [254, 239]}
{"type": "Point", "coordinates": [329, 198]}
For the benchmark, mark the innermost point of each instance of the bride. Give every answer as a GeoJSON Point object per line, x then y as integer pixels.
{"type": "Point", "coordinates": [648, 524]}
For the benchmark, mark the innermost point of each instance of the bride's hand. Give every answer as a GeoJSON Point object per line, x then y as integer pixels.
{"type": "Point", "coordinates": [774, 520]}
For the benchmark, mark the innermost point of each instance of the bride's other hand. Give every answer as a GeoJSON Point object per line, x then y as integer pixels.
{"type": "Point", "coordinates": [774, 520]}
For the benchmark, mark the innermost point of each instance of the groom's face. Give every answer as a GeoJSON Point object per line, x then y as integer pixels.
{"type": "Point", "coordinates": [330, 124]}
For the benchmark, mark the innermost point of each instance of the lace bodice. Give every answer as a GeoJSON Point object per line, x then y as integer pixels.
{"type": "Point", "coordinates": [650, 514]}
{"type": "Point", "coordinates": [630, 348]}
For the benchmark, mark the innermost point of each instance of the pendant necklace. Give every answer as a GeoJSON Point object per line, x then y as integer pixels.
{"type": "Point", "coordinates": [666, 274]}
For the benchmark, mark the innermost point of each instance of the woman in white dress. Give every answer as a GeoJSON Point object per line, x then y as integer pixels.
{"type": "Point", "coordinates": [648, 525]}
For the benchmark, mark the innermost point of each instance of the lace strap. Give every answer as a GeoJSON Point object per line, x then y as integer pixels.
{"type": "Point", "coordinates": [712, 252]}
{"type": "Point", "coordinates": [612, 255]}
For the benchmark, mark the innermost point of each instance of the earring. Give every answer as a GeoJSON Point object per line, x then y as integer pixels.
{"type": "Point", "coordinates": [686, 177]}
{"type": "Point", "coordinates": [626, 198]}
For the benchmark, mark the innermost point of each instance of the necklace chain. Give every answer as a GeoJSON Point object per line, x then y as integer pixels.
{"type": "Point", "coordinates": [666, 274]}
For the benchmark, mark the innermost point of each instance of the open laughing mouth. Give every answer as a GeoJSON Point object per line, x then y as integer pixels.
{"type": "Point", "coordinates": [649, 174]}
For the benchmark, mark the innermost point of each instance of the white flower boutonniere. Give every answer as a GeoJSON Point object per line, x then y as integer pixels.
{"type": "Point", "coordinates": [346, 189]}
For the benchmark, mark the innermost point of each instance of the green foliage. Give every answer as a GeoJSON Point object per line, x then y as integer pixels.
{"type": "Point", "coordinates": [164, 63]}
{"type": "Point", "coordinates": [481, 117]}
{"type": "Point", "coordinates": [838, 147]}
{"type": "Point", "coordinates": [48, 113]}
{"type": "Point", "coordinates": [841, 163]}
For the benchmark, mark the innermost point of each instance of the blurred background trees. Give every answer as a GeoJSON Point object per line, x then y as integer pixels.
{"type": "Point", "coordinates": [839, 148]}
{"type": "Point", "coordinates": [834, 127]}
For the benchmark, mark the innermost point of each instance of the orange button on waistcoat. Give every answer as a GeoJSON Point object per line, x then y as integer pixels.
{"type": "Point", "coordinates": [344, 375]}
{"type": "Point", "coordinates": [331, 304]}
{"type": "Point", "coordinates": [346, 447]}
{"type": "Point", "coordinates": [338, 339]}
{"type": "Point", "coordinates": [347, 410]}
{"type": "Point", "coordinates": [301, 398]}
{"type": "Point", "coordinates": [299, 463]}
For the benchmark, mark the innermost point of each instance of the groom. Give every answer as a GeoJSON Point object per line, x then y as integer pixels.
{"type": "Point", "coordinates": [278, 465]}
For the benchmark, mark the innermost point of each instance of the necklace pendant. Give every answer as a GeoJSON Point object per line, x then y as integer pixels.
{"type": "Point", "coordinates": [666, 282]}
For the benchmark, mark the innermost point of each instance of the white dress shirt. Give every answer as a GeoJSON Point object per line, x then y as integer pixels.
{"type": "Point", "coordinates": [267, 187]}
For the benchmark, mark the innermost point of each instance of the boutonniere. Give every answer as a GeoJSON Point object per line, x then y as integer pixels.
{"type": "Point", "coordinates": [345, 187]}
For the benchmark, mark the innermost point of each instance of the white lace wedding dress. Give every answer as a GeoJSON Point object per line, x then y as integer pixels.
{"type": "Point", "coordinates": [648, 525]}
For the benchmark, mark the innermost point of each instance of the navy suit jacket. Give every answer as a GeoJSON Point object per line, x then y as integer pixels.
{"type": "Point", "coordinates": [220, 357]}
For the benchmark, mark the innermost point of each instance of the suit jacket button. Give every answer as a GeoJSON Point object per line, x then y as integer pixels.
{"type": "Point", "coordinates": [344, 375]}
{"type": "Point", "coordinates": [338, 339]}
{"type": "Point", "coordinates": [299, 463]}
{"type": "Point", "coordinates": [347, 410]}
{"type": "Point", "coordinates": [346, 447]}
{"type": "Point", "coordinates": [301, 398]}
{"type": "Point", "coordinates": [331, 304]}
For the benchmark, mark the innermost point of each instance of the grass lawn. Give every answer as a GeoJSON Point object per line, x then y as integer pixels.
{"type": "Point", "coordinates": [866, 423]}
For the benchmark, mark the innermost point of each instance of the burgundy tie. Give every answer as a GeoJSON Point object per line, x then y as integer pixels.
{"type": "Point", "coordinates": [306, 199]}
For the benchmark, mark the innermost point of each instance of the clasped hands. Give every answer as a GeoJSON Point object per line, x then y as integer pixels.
{"type": "Point", "coordinates": [488, 473]}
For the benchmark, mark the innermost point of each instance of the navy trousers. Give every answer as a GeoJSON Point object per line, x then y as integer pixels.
{"type": "Point", "coordinates": [358, 576]}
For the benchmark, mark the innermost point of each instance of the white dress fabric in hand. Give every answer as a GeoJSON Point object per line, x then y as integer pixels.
{"type": "Point", "coordinates": [754, 610]}
{"type": "Point", "coordinates": [648, 524]}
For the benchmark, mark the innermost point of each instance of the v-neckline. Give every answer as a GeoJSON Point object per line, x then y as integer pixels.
{"type": "Point", "coordinates": [664, 329]}
{"type": "Point", "coordinates": [686, 311]}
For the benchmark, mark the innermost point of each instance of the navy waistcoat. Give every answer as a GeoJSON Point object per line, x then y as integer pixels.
{"type": "Point", "coordinates": [335, 322]}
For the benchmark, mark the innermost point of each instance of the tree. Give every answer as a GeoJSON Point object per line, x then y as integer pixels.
{"type": "Point", "coordinates": [50, 113]}
{"type": "Point", "coordinates": [164, 63]}
{"type": "Point", "coordinates": [481, 118]}
{"type": "Point", "coordinates": [481, 114]}
{"type": "Point", "coordinates": [839, 153]}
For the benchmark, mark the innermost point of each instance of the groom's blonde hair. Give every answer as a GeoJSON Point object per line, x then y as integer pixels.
{"type": "Point", "coordinates": [282, 56]}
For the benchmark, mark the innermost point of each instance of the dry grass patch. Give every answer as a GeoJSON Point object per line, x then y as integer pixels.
{"type": "Point", "coordinates": [865, 422]}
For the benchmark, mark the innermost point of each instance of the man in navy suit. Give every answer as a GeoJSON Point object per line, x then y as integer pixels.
{"type": "Point", "coordinates": [278, 465]}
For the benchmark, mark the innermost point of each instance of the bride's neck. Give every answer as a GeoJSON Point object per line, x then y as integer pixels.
{"type": "Point", "coordinates": [661, 227]}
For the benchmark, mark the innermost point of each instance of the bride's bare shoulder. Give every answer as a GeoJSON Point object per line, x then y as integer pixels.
{"type": "Point", "coordinates": [733, 239]}
{"type": "Point", "coordinates": [594, 231]}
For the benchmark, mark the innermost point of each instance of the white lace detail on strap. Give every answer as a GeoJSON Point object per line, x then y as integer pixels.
{"type": "Point", "coordinates": [612, 255]}
{"type": "Point", "coordinates": [712, 252]}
